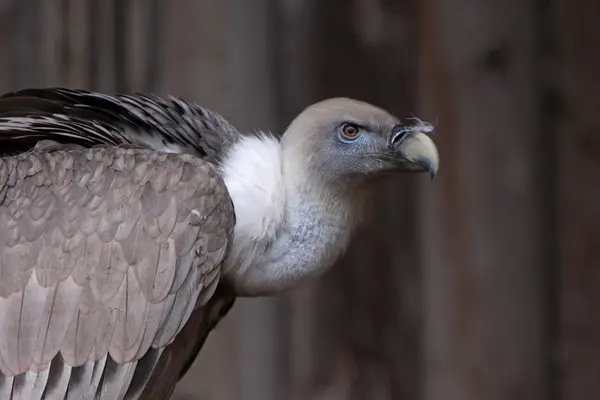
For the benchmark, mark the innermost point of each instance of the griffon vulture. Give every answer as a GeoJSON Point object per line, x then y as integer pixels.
{"type": "Point", "coordinates": [130, 223]}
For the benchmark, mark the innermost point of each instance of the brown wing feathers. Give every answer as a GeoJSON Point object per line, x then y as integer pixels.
{"type": "Point", "coordinates": [103, 250]}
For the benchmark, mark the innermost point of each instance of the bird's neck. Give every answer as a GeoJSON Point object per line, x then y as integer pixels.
{"type": "Point", "coordinates": [290, 227]}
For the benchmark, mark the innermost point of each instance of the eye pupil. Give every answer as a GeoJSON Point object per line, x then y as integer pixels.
{"type": "Point", "coordinates": [350, 130]}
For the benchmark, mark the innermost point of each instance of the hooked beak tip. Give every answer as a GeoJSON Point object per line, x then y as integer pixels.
{"type": "Point", "coordinates": [432, 174]}
{"type": "Point", "coordinates": [428, 166]}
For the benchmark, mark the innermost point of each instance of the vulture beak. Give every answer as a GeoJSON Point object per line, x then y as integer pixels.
{"type": "Point", "coordinates": [415, 149]}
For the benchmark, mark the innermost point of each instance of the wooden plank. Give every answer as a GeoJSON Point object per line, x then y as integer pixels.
{"type": "Point", "coordinates": [483, 231]}
{"type": "Point", "coordinates": [25, 44]}
{"type": "Point", "coordinates": [50, 42]}
{"type": "Point", "coordinates": [105, 77]}
{"type": "Point", "coordinates": [138, 47]}
{"type": "Point", "coordinates": [5, 37]}
{"type": "Point", "coordinates": [196, 52]}
{"type": "Point", "coordinates": [76, 45]}
{"type": "Point", "coordinates": [579, 191]}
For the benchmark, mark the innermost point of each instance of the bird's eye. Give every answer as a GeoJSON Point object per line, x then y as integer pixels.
{"type": "Point", "coordinates": [350, 131]}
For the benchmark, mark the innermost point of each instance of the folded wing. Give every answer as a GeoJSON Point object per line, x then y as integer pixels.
{"type": "Point", "coordinates": [104, 254]}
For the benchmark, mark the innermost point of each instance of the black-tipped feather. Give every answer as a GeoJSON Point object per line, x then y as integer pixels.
{"type": "Point", "coordinates": [90, 118]}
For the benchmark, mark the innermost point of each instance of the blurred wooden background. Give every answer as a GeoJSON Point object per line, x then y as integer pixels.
{"type": "Point", "coordinates": [483, 285]}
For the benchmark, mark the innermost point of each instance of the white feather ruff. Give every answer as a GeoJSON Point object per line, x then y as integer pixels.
{"type": "Point", "coordinates": [253, 175]}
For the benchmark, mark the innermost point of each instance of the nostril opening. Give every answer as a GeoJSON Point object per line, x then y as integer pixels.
{"type": "Point", "coordinates": [399, 133]}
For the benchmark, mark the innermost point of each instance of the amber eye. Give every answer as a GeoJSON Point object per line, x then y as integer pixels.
{"type": "Point", "coordinates": [350, 131]}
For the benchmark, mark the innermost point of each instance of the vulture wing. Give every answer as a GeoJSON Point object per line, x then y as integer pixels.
{"type": "Point", "coordinates": [105, 252]}
{"type": "Point", "coordinates": [90, 118]}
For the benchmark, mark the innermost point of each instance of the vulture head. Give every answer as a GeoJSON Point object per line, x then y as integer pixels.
{"type": "Point", "coordinates": [351, 143]}
{"type": "Point", "coordinates": [294, 221]}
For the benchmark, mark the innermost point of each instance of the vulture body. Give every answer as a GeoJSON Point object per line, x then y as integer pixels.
{"type": "Point", "coordinates": [130, 223]}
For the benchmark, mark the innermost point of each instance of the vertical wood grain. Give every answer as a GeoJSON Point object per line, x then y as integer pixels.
{"type": "Point", "coordinates": [483, 221]}
{"type": "Point", "coordinates": [579, 146]}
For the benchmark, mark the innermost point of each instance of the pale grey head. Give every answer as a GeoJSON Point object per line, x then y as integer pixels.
{"type": "Point", "coordinates": [351, 142]}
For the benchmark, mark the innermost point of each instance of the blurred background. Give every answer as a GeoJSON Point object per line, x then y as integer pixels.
{"type": "Point", "coordinates": [482, 285]}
